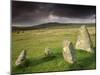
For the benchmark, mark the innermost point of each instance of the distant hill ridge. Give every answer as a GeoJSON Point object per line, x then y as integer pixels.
{"type": "Point", "coordinates": [46, 25]}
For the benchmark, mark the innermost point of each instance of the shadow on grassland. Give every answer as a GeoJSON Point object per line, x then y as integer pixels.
{"type": "Point", "coordinates": [33, 62]}
{"type": "Point", "coordinates": [87, 62]}
{"type": "Point", "coordinates": [37, 61]}
{"type": "Point", "coordinates": [43, 59]}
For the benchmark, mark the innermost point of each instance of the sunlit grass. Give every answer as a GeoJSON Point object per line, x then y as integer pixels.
{"type": "Point", "coordinates": [35, 41]}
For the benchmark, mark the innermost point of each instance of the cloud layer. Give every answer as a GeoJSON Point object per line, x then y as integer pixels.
{"type": "Point", "coordinates": [33, 13]}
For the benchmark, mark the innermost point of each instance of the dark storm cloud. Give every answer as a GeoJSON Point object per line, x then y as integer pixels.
{"type": "Point", "coordinates": [30, 8]}
{"type": "Point", "coordinates": [37, 13]}
{"type": "Point", "coordinates": [78, 11]}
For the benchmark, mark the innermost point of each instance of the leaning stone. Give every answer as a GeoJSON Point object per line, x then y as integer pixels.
{"type": "Point", "coordinates": [21, 59]}
{"type": "Point", "coordinates": [48, 52]}
{"type": "Point", "coordinates": [69, 53]}
{"type": "Point", "coordinates": [84, 41]}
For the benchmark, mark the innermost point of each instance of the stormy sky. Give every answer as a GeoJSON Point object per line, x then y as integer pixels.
{"type": "Point", "coordinates": [35, 13]}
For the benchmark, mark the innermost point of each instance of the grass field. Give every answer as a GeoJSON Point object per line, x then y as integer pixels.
{"type": "Point", "coordinates": [35, 41]}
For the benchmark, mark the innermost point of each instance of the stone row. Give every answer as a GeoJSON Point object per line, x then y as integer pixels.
{"type": "Point", "coordinates": [69, 52]}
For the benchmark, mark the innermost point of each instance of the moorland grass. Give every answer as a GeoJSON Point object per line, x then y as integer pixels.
{"type": "Point", "coordinates": [35, 41]}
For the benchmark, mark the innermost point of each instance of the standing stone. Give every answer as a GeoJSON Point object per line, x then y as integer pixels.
{"type": "Point", "coordinates": [84, 41]}
{"type": "Point", "coordinates": [21, 59]}
{"type": "Point", "coordinates": [69, 53]}
{"type": "Point", "coordinates": [48, 52]}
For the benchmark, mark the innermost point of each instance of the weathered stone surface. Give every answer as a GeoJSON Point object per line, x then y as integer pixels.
{"type": "Point", "coordinates": [21, 58]}
{"type": "Point", "coordinates": [84, 40]}
{"type": "Point", "coordinates": [69, 53]}
{"type": "Point", "coordinates": [48, 52]}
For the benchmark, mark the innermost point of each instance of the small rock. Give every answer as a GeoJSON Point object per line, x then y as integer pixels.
{"type": "Point", "coordinates": [48, 52]}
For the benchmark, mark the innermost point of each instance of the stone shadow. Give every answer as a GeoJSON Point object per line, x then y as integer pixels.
{"type": "Point", "coordinates": [85, 63]}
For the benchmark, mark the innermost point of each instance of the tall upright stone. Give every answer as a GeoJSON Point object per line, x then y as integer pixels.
{"type": "Point", "coordinates": [69, 52]}
{"type": "Point", "coordinates": [84, 41]}
{"type": "Point", "coordinates": [21, 59]}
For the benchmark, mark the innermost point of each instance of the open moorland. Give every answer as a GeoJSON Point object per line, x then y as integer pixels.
{"type": "Point", "coordinates": [35, 40]}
